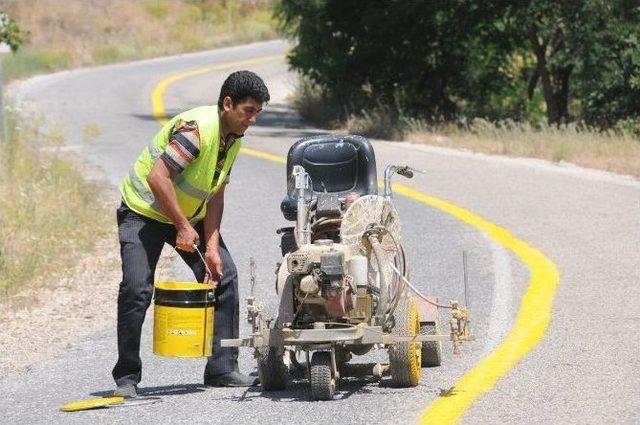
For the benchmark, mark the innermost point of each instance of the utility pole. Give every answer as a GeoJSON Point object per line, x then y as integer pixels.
{"type": "Point", "coordinates": [4, 49]}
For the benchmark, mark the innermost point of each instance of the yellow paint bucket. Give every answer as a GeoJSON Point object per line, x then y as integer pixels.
{"type": "Point", "coordinates": [183, 319]}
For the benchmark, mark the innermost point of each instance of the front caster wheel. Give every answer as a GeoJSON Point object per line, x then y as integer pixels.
{"type": "Point", "coordinates": [322, 378]}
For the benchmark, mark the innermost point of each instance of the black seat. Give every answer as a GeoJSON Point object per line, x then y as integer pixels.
{"type": "Point", "coordinates": [337, 164]}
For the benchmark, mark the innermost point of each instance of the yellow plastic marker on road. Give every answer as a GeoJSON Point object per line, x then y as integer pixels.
{"type": "Point", "coordinates": [535, 308]}
{"type": "Point", "coordinates": [91, 403]}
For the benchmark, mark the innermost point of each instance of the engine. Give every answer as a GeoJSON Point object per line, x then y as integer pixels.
{"type": "Point", "coordinates": [327, 277]}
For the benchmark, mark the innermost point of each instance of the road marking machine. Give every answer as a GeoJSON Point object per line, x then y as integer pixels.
{"type": "Point", "coordinates": [343, 282]}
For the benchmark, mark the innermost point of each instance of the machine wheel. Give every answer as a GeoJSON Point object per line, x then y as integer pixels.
{"type": "Point", "coordinates": [431, 350]}
{"type": "Point", "coordinates": [405, 357]}
{"type": "Point", "coordinates": [322, 378]}
{"type": "Point", "coordinates": [272, 371]}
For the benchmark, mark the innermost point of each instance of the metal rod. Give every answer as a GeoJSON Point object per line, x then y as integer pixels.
{"type": "Point", "coordinates": [388, 172]}
{"type": "Point", "coordinates": [466, 278]}
{"type": "Point", "coordinates": [302, 184]}
{"type": "Point", "coordinates": [252, 272]}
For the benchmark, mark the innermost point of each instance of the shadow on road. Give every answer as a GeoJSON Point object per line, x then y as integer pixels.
{"type": "Point", "coordinates": [276, 115]}
{"type": "Point", "coordinates": [167, 390]}
{"type": "Point", "coordinates": [277, 121]}
{"type": "Point", "coordinates": [355, 380]}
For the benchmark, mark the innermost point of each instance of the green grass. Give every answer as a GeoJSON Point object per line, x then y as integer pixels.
{"type": "Point", "coordinates": [28, 62]}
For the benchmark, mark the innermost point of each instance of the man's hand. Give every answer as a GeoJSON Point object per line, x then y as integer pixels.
{"type": "Point", "coordinates": [214, 262]}
{"type": "Point", "coordinates": [186, 238]}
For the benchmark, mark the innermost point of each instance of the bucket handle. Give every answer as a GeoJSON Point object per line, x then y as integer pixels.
{"type": "Point", "coordinates": [206, 268]}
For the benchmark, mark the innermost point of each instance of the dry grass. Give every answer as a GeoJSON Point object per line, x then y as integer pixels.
{"type": "Point", "coordinates": [617, 152]}
{"type": "Point", "coordinates": [74, 33]}
{"type": "Point", "coordinates": [36, 322]}
{"type": "Point", "coordinates": [50, 215]}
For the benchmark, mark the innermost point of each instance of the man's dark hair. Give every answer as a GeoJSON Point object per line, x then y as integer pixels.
{"type": "Point", "coordinates": [241, 85]}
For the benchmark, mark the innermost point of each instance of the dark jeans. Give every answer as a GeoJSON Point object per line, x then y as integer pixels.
{"type": "Point", "coordinates": [141, 241]}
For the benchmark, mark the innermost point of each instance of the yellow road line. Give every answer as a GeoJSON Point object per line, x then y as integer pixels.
{"type": "Point", "coordinates": [531, 324]}
{"type": "Point", "coordinates": [535, 308]}
{"type": "Point", "coordinates": [157, 102]}
{"type": "Point", "coordinates": [264, 155]}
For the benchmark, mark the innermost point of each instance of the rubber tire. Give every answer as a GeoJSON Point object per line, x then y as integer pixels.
{"type": "Point", "coordinates": [431, 350]}
{"type": "Point", "coordinates": [273, 373]}
{"type": "Point", "coordinates": [405, 357]}
{"type": "Point", "coordinates": [323, 383]}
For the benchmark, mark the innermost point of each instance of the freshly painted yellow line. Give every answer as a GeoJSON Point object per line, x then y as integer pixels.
{"type": "Point", "coordinates": [157, 102]}
{"type": "Point", "coordinates": [531, 324]}
{"type": "Point", "coordinates": [535, 309]}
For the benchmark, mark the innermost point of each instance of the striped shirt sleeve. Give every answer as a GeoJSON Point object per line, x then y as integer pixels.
{"type": "Point", "coordinates": [183, 147]}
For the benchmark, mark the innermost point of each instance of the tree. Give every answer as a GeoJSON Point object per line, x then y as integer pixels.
{"type": "Point", "coordinates": [468, 58]}
{"type": "Point", "coordinates": [586, 56]}
{"type": "Point", "coordinates": [10, 33]}
{"type": "Point", "coordinates": [401, 54]}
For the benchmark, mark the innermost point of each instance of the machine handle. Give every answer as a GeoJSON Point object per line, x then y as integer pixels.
{"type": "Point", "coordinates": [406, 172]}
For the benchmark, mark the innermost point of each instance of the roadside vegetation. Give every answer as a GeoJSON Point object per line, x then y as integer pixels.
{"type": "Point", "coordinates": [555, 80]}
{"type": "Point", "coordinates": [615, 149]}
{"type": "Point", "coordinates": [73, 33]}
{"type": "Point", "coordinates": [51, 215]}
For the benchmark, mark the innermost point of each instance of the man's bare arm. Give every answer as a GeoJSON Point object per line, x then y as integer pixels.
{"type": "Point", "coordinates": [160, 181]}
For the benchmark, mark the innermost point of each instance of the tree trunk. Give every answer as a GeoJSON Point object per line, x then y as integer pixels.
{"type": "Point", "coordinates": [555, 86]}
{"type": "Point", "coordinates": [561, 94]}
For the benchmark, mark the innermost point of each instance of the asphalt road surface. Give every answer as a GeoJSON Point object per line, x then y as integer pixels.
{"type": "Point", "coordinates": [583, 370]}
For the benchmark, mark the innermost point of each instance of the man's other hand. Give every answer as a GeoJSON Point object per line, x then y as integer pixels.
{"type": "Point", "coordinates": [186, 238]}
{"type": "Point", "coordinates": [214, 262]}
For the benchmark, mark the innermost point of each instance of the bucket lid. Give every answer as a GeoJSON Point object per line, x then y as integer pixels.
{"type": "Point", "coordinates": [91, 403]}
{"type": "Point", "coordinates": [184, 286]}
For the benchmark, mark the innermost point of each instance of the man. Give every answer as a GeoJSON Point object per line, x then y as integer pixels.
{"type": "Point", "coordinates": [174, 194]}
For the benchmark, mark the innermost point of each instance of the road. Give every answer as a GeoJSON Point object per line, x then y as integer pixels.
{"type": "Point", "coordinates": [583, 368]}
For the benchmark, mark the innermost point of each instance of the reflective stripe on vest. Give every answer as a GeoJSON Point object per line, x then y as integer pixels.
{"type": "Point", "coordinates": [153, 150]}
{"type": "Point", "coordinates": [145, 193]}
{"type": "Point", "coordinates": [194, 192]}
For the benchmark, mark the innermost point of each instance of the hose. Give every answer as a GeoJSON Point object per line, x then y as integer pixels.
{"type": "Point", "coordinates": [391, 293]}
{"type": "Point", "coordinates": [375, 245]}
{"type": "Point", "coordinates": [400, 290]}
{"type": "Point", "coordinates": [418, 293]}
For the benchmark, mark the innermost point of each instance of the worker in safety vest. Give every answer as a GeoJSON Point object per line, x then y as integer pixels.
{"type": "Point", "coordinates": [174, 194]}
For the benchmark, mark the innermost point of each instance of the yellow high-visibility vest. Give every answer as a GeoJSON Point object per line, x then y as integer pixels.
{"type": "Point", "coordinates": [195, 185]}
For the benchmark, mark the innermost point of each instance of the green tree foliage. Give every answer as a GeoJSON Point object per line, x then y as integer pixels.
{"type": "Point", "coordinates": [469, 58]}
{"type": "Point", "coordinates": [10, 33]}
{"type": "Point", "coordinates": [378, 52]}
{"type": "Point", "coordinates": [586, 52]}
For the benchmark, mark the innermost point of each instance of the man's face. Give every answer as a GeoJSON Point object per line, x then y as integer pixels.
{"type": "Point", "coordinates": [241, 115]}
